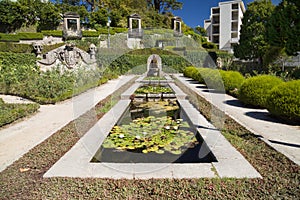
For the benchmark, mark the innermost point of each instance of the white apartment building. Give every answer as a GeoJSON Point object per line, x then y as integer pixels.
{"type": "Point", "coordinates": [223, 26]}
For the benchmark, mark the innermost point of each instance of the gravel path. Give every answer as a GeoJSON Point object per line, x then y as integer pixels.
{"type": "Point", "coordinates": [19, 138]}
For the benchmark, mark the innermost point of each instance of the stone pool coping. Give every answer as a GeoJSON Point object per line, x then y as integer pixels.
{"type": "Point", "coordinates": [76, 162]}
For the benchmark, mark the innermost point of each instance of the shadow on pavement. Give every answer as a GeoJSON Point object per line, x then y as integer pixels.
{"type": "Point", "coordinates": [265, 116]}
{"type": "Point", "coordinates": [238, 103]}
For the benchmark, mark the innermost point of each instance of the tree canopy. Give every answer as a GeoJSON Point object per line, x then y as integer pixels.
{"type": "Point", "coordinates": [93, 13]}
{"type": "Point", "coordinates": [283, 27]}
{"type": "Point", "coordinates": [253, 43]}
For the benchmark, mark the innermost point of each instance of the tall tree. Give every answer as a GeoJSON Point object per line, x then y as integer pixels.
{"type": "Point", "coordinates": [165, 5]}
{"type": "Point", "coordinates": [11, 16]}
{"type": "Point", "coordinates": [283, 28]}
{"type": "Point", "coordinates": [253, 43]}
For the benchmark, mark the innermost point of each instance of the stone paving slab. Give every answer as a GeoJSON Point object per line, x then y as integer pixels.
{"type": "Point", "coordinates": [19, 138]}
{"type": "Point", "coordinates": [282, 137]}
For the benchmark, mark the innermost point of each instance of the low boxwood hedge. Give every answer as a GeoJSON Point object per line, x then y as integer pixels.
{"type": "Point", "coordinates": [11, 112]}
{"type": "Point", "coordinates": [54, 33]}
{"type": "Point", "coordinates": [9, 37]}
{"type": "Point", "coordinates": [219, 80]}
{"type": "Point", "coordinates": [15, 47]}
{"type": "Point", "coordinates": [191, 72]}
{"type": "Point", "coordinates": [232, 81]}
{"type": "Point", "coordinates": [30, 36]}
{"type": "Point", "coordinates": [284, 100]}
{"type": "Point", "coordinates": [255, 90]}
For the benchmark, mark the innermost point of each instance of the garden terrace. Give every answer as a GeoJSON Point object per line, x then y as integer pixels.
{"type": "Point", "coordinates": [77, 162]}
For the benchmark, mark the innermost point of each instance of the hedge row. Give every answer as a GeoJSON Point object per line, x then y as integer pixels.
{"type": "Point", "coordinates": [55, 33]}
{"type": "Point", "coordinates": [219, 80]}
{"type": "Point", "coordinates": [255, 90]}
{"type": "Point", "coordinates": [20, 36]}
{"type": "Point", "coordinates": [282, 99]}
{"type": "Point", "coordinates": [11, 112]}
{"type": "Point", "coordinates": [15, 47]}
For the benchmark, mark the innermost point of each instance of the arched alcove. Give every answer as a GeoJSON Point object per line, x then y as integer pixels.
{"type": "Point", "coordinates": [154, 65]}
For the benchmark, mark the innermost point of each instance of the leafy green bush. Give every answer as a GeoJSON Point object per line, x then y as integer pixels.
{"type": "Point", "coordinates": [284, 100]}
{"type": "Point", "coordinates": [255, 90]}
{"type": "Point", "coordinates": [191, 72]}
{"type": "Point", "coordinates": [11, 112]}
{"type": "Point", "coordinates": [54, 33]}
{"type": "Point", "coordinates": [10, 59]}
{"type": "Point", "coordinates": [15, 47]}
{"type": "Point", "coordinates": [209, 45]}
{"type": "Point", "coordinates": [9, 37]}
{"type": "Point", "coordinates": [30, 36]}
{"type": "Point", "coordinates": [90, 33]}
{"type": "Point", "coordinates": [232, 81]}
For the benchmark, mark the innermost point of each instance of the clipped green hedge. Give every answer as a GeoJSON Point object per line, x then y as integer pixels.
{"type": "Point", "coordinates": [191, 72]}
{"type": "Point", "coordinates": [90, 33]}
{"type": "Point", "coordinates": [9, 37]}
{"type": "Point", "coordinates": [232, 81]}
{"type": "Point", "coordinates": [54, 33]}
{"type": "Point", "coordinates": [255, 90]}
{"type": "Point", "coordinates": [20, 36]}
{"type": "Point", "coordinates": [11, 112]}
{"type": "Point", "coordinates": [30, 36]}
{"type": "Point", "coordinates": [284, 100]}
{"type": "Point", "coordinates": [15, 47]}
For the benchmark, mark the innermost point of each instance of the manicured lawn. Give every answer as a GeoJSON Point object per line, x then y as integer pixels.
{"type": "Point", "coordinates": [280, 175]}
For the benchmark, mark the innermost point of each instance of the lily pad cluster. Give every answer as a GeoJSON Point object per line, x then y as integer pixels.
{"type": "Point", "coordinates": [152, 134]}
{"type": "Point", "coordinates": [157, 89]}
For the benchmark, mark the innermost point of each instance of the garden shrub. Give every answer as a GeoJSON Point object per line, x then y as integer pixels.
{"type": "Point", "coordinates": [90, 33]}
{"type": "Point", "coordinates": [11, 112]}
{"type": "Point", "coordinates": [190, 72]}
{"type": "Point", "coordinates": [232, 81]}
{"type": "Point", "coordinates": [254, 91]}
{"type": "Point", "coordinates": [15, 47]}
{"type": "Point", "coordinates": [30, 36]}
{"type": "Point", "coordinates": [8, 58]}
{"type": "Point", "coordinates": [54, 33]}
{"type": "Point", "coordinates": [284, 100]}
{"type": "Point", "coordinates": [9, 37]}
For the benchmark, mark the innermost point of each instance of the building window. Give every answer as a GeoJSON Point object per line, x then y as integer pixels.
{"type": "Point", "coordinates": [235, 6]}
{"type": "Point", "coordinates": [216, 11]}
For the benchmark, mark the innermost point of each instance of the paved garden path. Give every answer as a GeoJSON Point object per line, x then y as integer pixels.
{"type": "Point", "coordinates": [18, 138]}
{"type": "Point", "coordinates": [282, 137]}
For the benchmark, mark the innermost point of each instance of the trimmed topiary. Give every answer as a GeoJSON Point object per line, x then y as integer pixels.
{"type": "Point", "coordinates": [232, 81]}
{"type": "Point", "coordinates": [284, 100]}
{"type": "Point", "coordinates": [190, 72]}
{"type": "Point", "coordinates": [254, 91]}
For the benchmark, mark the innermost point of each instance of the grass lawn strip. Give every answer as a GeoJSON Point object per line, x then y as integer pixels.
{"type": "Point", "coordinates": [280, 175]}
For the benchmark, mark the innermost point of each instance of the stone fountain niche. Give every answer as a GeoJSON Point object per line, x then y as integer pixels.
{"type": "Point", "coordinates": [176, 24]}
{"type": "Point", "coordinates": [154, 66]}
{"type": "Point", "coordinates": [71, 26]}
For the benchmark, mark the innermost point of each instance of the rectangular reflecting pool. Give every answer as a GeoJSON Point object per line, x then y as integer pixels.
{"type": "Point", "coordinates": [153, 132]}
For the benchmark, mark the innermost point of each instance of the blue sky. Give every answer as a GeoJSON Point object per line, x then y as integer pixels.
{"type": "Point", "coordinates": [194, 12]}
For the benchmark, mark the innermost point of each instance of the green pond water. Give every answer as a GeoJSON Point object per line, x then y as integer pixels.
{"type": "Point", "coordinates": [153, 132]}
